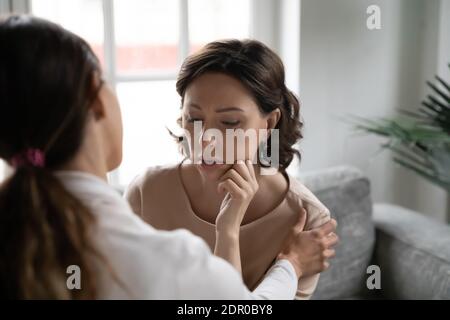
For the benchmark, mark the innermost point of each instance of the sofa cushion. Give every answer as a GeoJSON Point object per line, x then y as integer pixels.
{"type": "Point", "coordinates": [413, 253]}
{"type": "Point", "coordinates": [346, 193]}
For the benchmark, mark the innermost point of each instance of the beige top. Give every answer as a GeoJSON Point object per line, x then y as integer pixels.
{"type": "Point", "coordinates": [159, 197]}
{"type": "Point", "coordinates": [154, 264]}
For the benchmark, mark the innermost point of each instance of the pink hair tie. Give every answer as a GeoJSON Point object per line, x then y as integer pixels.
{"type": "Point", "coordinates": [33, 157]}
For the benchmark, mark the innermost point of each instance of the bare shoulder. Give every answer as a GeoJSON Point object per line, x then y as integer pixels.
{"type": "Point", "coordinates": [148, 188]}
{"type": "Point", "coordinates": [150, 183]}
{"type": "Point", "coordinates": [153, 176]}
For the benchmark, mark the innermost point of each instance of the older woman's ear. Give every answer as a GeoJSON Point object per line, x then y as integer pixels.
{"type": "Point", "coordinates": [273, 118]}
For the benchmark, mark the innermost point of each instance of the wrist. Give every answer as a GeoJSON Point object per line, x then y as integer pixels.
{"type": "Point", "coordinates": [229, 233]}
{"type": "Point", "coordinates": [297, 268]}
{"type": "Point", "coordinates": [229, 224]}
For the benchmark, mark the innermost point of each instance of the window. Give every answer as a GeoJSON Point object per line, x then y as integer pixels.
{"type": "Point", "coordinates": [2, 171]}
{"type": "Point", "coordinates": [219, 19]}
{"type": "Point", "coordinates": [83, 17]}
{"type": "Point", "coordinates": [141, 44]}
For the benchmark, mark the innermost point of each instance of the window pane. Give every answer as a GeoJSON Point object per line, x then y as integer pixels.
{"type": "Point", "coordinates": [218, 19]}
{"type": "Point", "coordinates": [146, 35]}
{"type": "Point", "coordinates": [83, 17]}
{"type": "Point", "coordinates": [5, 171]}
{"type": "Point", "coordinates": [147, 109]}
{"type": "Point", "coordinates": [2, 171]}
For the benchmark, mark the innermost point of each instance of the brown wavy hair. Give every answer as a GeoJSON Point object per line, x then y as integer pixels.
{"type": "Point", "coordinates": [46, 89]}
{"type": "Point", "coordinates": [262, 73]}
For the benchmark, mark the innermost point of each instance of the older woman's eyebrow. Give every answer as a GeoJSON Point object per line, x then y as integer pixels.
{"type": "Point", "coordinates": [194, 105]}
{"type": "Point", "coordinates": [229, 109]}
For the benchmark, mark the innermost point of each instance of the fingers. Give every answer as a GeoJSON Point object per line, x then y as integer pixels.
{"type": "Point", "coordinates": [327, 228]}
{"type": "Point", "coordinates": [331, 240]}
{"type": "Point", "coordinates": [231, 187]}
{"type": "Point", "coordinates": [233, 175]}
{"type": "Point", "coordinates": [243, 170]}
{"type": "Point", "coordinates": [246, 170]}
{"type": "Point", "coordinates": [242, 174]}
{"type": "Point", "coordinates": [329, 253]}
{"type": "Point", "coordinates": [251, 169]}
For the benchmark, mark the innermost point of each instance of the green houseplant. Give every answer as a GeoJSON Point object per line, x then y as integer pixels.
{"type": "Point", "coordinates": [419, 140]}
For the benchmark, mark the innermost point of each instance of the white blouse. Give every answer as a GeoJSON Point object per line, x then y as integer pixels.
{"type": "Point", "coordinates": [155, 264]}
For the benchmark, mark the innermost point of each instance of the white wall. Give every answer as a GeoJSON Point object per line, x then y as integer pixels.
{"type": "Point", "coordinates": [277, 24]}
{"type": "Point", "coordinates": [4, 6]}
{"type": "Point", "coordinates": [347, 69]}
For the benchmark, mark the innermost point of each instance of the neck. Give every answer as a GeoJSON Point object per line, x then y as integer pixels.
{"type": "Point", "coordinates": [89, 163]}
{"type": "Point", "coordinates": [272, 190]}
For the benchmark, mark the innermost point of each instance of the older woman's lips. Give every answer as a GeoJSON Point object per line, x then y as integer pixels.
{"type": "Point", "coordinates": [210, 166]}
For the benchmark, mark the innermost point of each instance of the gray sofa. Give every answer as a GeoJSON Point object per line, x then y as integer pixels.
{"type": "Point", "coordinates": [411, 250]}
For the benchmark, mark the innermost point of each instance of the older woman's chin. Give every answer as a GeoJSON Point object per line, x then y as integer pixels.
{"type": "Point", "coordinates": [213, 171]}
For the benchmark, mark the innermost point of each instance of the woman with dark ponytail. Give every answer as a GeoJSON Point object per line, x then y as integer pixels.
{"type": "Point", "coordinates": [61, 132]}
{"type": "Point", "coordinates": [49, 83]}
{"type": "Point", "coordinates": [228, 87]}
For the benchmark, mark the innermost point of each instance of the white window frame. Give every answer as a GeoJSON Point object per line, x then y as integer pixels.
{"type": "Point", "coordinates": [112, 74]}
{"type": "Point", "coordinates": [267, 25]}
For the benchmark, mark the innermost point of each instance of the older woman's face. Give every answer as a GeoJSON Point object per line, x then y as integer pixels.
{"type": "Point", "coordinates": [221, 102]}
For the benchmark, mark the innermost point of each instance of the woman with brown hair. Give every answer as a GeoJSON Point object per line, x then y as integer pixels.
{"type": "Point", "coordinates": [229, 86]}
{"type": "Point", "coordinates": [61, 131]}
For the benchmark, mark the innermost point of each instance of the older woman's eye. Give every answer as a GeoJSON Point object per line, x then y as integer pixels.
{"type": "Point", "coordinates": [231, 123]}
{"type": "Point", "coordinates": [193, 119]}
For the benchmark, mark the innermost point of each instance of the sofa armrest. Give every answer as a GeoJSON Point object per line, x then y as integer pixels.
{"type": "Point", "coordinates": [345, 191]}
{"type": "Point", "coordinates": [413, 253]}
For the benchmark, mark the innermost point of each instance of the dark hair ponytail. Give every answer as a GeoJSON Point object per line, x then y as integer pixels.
{"type": "Point", "coordinates": [43, 230]}
{"type": "Point", "coordinates": [46, 88]}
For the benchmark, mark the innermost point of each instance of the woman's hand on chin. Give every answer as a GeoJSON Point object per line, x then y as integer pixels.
{"type": "Point", "coordinates": [309, 251]}
{"type": "Point", "coordinates": [238, 185]}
